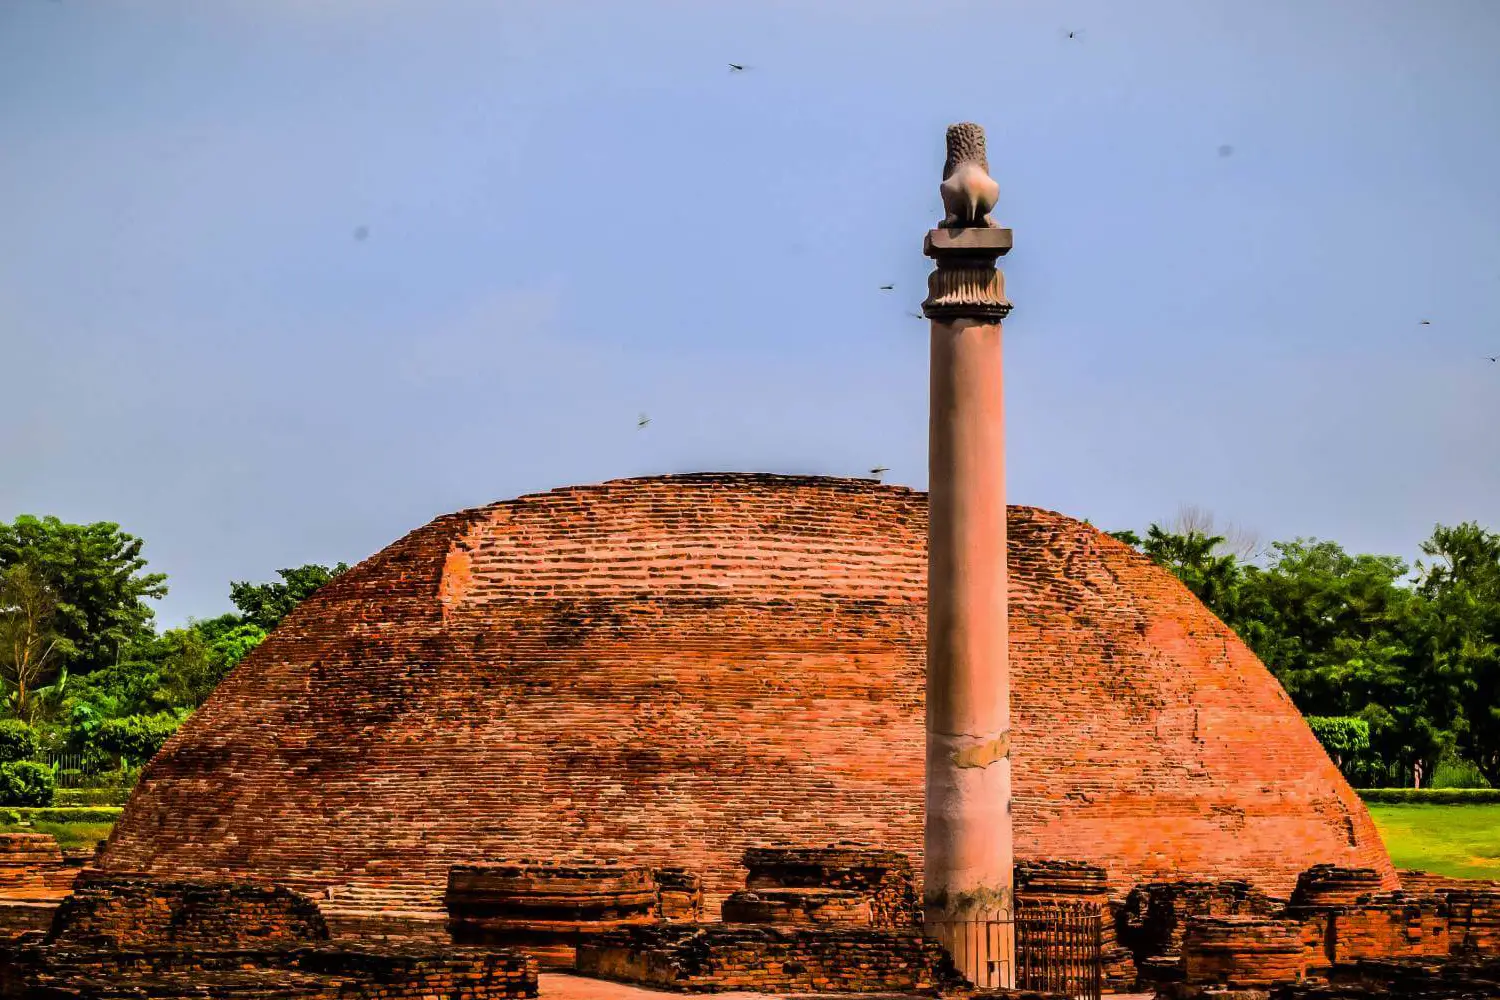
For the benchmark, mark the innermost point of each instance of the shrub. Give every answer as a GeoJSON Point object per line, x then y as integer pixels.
{"type": "Point", "coordinates": [1431, 796]}
{"type": "Point", "coordinates": [67, 797]}
{"type": "Point", "coordinates": [26, 783]}
{"type": "Point", "coordinates": [135, 738]}
{"type": "Point", "coordinates": [18, 741]}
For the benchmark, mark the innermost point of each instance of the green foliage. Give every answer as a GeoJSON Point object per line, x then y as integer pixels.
{"type": "Point", "coordinates": [265, 604]}
{"type": "Point", "coordinates": [135, 739]}
{"type": "Point", "coordinates": [1432, 796]}
{"type": "Point", "coordinates": [1350, 636]}
{"type": "Point", "coordinates": [67, 797]}
{"type": "Point", "coordinates": [26, 783]}
{"type": "Point", "coordinates": [97, 574]}
{"type": "Point", "coordinates": [1344, 737]}
{"type": "Point", "coordinates": [37, 816]}
{"type": "Point", "coordinates": [18, 741]}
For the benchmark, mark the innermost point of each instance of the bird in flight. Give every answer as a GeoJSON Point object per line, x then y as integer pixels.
{"type": "Point", "coordinates": [736, 68]}
{"type": "Point", "coordinates": [1427, 322]}
{"type": "Point", "coordinates": [886, 288]}
{"type": "Point", "coordinates": [642, 421]}
{"type": "Point", "coordinates": [1495, 358]}
{"type": "Point", "coordinates": [916, 315]}
{"type": "Point", "coordinates": [878, 470]}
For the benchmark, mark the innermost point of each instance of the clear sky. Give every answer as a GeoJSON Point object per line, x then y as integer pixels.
{"type": "Point", "coordinates": [1230, 221]}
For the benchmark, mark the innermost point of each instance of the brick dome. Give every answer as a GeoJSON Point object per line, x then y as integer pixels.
{"type": "Point", "coordinates": [671, 669]}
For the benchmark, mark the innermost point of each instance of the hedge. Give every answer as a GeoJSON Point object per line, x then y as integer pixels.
{"type": "Point", "coordinates": [91, 796]}
{"type": "Point", "coordinates": [1430, 796]}
{"type": "Point", "coordinates": [55, 814]}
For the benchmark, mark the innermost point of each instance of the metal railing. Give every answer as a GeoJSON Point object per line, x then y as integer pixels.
{"type": "Point", "coordinates": [1059, 949]}
{"type": "Point", "coordinates": [982, 947]}
{"type": "Point", "coordinates": [1053, 947]}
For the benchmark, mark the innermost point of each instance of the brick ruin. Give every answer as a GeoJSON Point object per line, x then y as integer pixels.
{"type": "Point", "coordinates": [841, 918]}
{"type": "Point", "coordinates": [125, 936]}
{"type": "Point", "coordinates": [35, 876]}
{"type": "Point", "coordinates": [547, 907]}
{"type": "Point", "coordinates": [675, 669]}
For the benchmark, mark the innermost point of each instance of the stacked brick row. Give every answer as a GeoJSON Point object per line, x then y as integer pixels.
{"type": "Point", "coordinates": [118, 912]}
{"type": "Point", "coordinates": [34, 877]}
{"type": "Point", "coordinates": [297, 973]}
{"type": "Point", "coordinates": [768, 958]}
{"type": "Point", "coordinates": [1462, 979]}
{"type": "Point", "coordinates": [548, 907]}
{"type": "Point", "coordinates": [1042, 884]}
{"type": "Point", "coordinates": [1155, 918]}
{"type": "Point", "coordinates": [677, 668]}
{"type": "Point", "coordinates": [1243, 952]}
{"type": "Point", "coordinates": [842, 884]}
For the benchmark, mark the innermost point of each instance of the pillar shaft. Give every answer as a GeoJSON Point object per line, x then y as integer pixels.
{"type": "Point", "coordinates": [969, 854]}
{"type": "Point", "coordinates": [968, 851]}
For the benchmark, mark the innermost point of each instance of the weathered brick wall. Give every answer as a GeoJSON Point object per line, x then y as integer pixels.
{"type": "Point", "coordinates": [841, 883]}
{"type": "Point", "coordinates": [1052, 882]}
{"type": "Point", "coordinates": [111, 911]}
{"type": "Point", "coordinates": [671, 670]}
{"type": "Point", "coordinates": [1243, 951]}
{"type": "Point", "coordinates": [322, 973]}
{"type": "Point", "coordinates": [715, 957]}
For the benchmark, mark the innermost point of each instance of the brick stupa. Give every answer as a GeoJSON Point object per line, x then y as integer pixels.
{"type": "Point", "coordinates": [671, 670]}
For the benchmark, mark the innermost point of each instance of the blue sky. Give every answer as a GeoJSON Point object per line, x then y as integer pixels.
{"type": "Point", "coordinates": [573, 212]}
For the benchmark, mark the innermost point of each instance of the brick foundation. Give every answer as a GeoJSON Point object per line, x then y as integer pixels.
{"type": "Point", "coordinates": [327, 972]}
{"type": "Point", "coordinates": [34, 877]}
{"type": "Point", "coordinates": [1050, 883]}
{"type": "Point", "coordinates": [717, 957]}
{"type": "Point", "coordinates": [1242, 951]}
{"type": "Point", "coordinates": [118, 912]}
{"type": "Point", "coordinates": [845, 884]}
{"type": "Point", "coordinates": [1154, 918]}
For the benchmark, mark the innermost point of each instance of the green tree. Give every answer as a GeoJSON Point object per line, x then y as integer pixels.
{"type": "Point", "coordinates": [31, 648]}
{"type": "Point", "coordinates": [1458, 638]}
{"type": "Point", "coordinates": [97, 575]}
{"type": "Point", "coordinates": [265, 604]}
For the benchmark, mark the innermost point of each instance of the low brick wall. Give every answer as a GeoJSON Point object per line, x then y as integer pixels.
{"type": "Point", "coordinates": [833, 907]}
{"type": "Point", "coordinates": [1243, 951]}
{"type": "Point", "coordinates": [1472, 979]}
{"type": "Point", "coordinates": [124, 912]}
{"type": "Point", "coordinates": [322, 973]}
{"type": "Point", "coordinates": [882, 877]}
{"type": "Point", "coordinates": [1155, 917]}
{"type": "Point", "coordinates": [1322, 886]}
{"type": "Point", "coordinates": [34, 877]}
{"type": "Point", "coordinates": [715, 957]}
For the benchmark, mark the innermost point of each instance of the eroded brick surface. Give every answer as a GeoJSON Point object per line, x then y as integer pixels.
{"type": "Point", "coordinates": [671, 670]}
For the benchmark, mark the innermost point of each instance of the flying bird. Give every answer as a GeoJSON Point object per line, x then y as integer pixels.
{"type": "Point", "coordinates": [1427, 322]}
{"type": "Point", "coordinates": [642, 421]}
{"type": "Point", "coordinates": [1495, 359]}
{"type": "Point", "coordinates": [878, 470]}
{"type": "Point", "coordinates": [736, 68]}
{"type": "Point", "coordinates": [916, 315]}
{"type": "Point", "coordinates": [886, 288]}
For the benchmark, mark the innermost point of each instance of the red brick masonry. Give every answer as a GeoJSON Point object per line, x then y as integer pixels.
{"type": "Point", "coordinates": [671, 670]}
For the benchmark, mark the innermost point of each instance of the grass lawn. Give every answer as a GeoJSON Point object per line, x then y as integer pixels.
{"type": "Point", "coordinates": [1462, 841]}
{"type": "Point", "coordinates": [70, 836]}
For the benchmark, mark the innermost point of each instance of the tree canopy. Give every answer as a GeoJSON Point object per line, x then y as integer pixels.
{"type": "Point", "coordinates": [1412, 653]}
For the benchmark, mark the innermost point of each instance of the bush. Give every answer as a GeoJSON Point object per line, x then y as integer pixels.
{"type": "Point", "coordinates": [91, 797]}
{"type": "Point", "coordinates": [18, 741]}
{"type": "Point", "coordinates": [26, 783]}
{"type": "Point", "coordinates": [1431, 796]}
{"type": "Point", "coordinates": [29, 816]}
{"type": "Point", "coordinates": [135, 738]}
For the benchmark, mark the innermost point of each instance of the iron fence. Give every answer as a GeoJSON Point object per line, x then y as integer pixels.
{"type": "Point", "coordinates": [982, 947]}
{"type": "Point", "coordinates": [1059, 949]}
{"type": "Point", "coordinates": [1054, 948]}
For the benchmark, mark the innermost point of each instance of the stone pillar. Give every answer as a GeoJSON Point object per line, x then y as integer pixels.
{"type": "Point", "coordinates": [968, 849]}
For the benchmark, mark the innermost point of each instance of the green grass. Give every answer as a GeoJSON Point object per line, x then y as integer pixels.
{"type": "Point", "coordinates": [70, 836]}
{"type": "Point", "coordinates": [1462, 841]}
